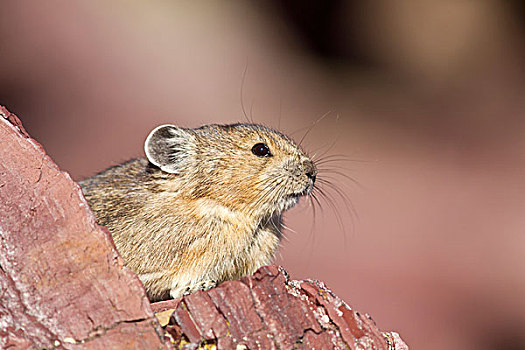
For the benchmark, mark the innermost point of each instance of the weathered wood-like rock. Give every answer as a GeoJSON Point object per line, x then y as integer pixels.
{"type": "Point", "coordinates": [270, 311]}
{"type": "Point", "coordinates": [62, 283]}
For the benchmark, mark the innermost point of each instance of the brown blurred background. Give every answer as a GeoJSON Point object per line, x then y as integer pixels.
{"type": "Point", "coordinates": [426, 97]}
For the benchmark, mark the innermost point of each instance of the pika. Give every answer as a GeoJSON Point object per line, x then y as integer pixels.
{"type": "Point", "coordinates": [204, 206]}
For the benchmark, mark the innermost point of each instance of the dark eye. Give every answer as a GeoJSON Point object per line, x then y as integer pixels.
{"type": "Point", "coordinates": [261, 150]}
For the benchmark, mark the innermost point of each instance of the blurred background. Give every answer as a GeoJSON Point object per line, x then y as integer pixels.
{"type": "Point", "coordinates": [426, 111]}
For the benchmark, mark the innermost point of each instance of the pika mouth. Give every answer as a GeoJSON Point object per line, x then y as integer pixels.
{"type": "Point", "coordinates": [308, 189]}
{"type": "Point", "coordinates": [305, 192]}
{"type": "Point", "coordinates": [291, 199]}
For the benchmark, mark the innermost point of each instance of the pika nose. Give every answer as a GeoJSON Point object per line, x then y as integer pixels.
{"type": "Point", "coordinates": [309, 169]}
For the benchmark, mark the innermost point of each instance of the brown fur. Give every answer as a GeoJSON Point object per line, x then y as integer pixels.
{"type": "Point", "coordinates": [213, 215]}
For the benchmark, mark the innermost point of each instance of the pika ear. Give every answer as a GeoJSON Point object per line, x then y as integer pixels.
{"type": "Point", "coordinates": [169, 147]}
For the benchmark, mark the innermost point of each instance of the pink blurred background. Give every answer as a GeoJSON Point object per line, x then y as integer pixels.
{"type": "Point", "coordinates": [426, 97]}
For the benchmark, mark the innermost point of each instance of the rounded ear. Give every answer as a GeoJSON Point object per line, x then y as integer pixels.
{"type": "Point", "coordinates": [169, 147]}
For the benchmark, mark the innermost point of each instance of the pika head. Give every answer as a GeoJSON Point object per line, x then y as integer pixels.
{"type": "Point", "coordinates": [245, 167]}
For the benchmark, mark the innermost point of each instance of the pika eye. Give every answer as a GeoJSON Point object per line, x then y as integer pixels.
{"type": "Point", "coordinates": [261, 150]}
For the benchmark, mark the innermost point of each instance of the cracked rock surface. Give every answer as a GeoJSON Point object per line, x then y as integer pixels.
{"type": "Point", "coordinates": [270, 311]}
{"type": "Point", "coordinates": [62, 283]}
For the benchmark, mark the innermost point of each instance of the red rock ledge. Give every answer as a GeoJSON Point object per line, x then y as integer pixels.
{"type": "Point", "coordinates": [270, 311]}
{"type": "Point", "coordinates": [62, 283]}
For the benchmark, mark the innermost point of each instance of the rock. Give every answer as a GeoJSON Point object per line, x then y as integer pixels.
{"type": "Point", "coordinates": [270, 311]}
{"type": "Point", "coordinates": [62, 282]}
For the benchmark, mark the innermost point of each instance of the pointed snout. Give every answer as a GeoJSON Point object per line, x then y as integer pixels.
{"type": "Point", "coordinates": [310, 169]}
